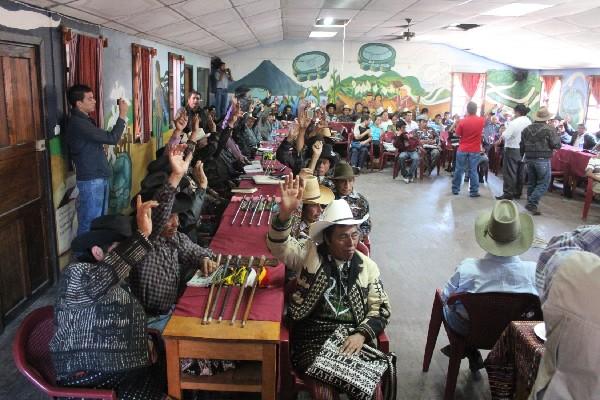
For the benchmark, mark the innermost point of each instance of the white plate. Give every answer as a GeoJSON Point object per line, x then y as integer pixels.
{"type": "Point", "coordinates": [540, 331]}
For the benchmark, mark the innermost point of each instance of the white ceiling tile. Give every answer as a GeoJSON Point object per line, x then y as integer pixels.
{"type": "Point", "coordinates": [390, 6]}
{"type": "Point", "coordinates": [228, 15]}
{"type": "Point", "coordinates": [41, 3]}
{"type": "Point", "coordinates": [195, 8]}
{"type": "Point", "coordinates": [197, 36]}
{"type": "Point", "coordinates": [147, 22]}
{"type": "Point", "coordinates": [293, 13]}
{"type": "Point", "coordinates": [301, 4]}
{"type": "Point", "coordinates": [415, 16]}
{"type": "Point", "coordinates": [82, 15]}
{"type": "Point", "coordinates": [583, 38]}
{"type": "Point", "coordinates": [121, 28]}
{"type": "Point", "coordinates": [553, 27]}
{"type": "Point", "coordinates": [587, 19]}
{"type": "Point", "coordinates": [264, 18]}
{"type": "Point", "coordinates": [175, 30]}
{"type": "Point", "coordinates": [337, 13]}
{"type": "Point", "coordinates": [258, 7]}
{"type": "Point", "coordinates": [112, 9]}
{"type": "Point", "coordinates": [171, 2]}
{"type": "Point", "coordinates": [241, 2]}
{"type": "Point", "coordinates": [372, 16]}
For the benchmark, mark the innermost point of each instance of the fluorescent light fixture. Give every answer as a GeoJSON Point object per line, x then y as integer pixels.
{"type": "Point", "coordinates": [328, 21]}
{"type": "Point", "coordinates": [331, 22]}
{"type": "Point", "coordinates": [322, 34]}
{"type": "Point", "coordinates": [516, 9]}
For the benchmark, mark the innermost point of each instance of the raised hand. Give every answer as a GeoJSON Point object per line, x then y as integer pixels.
{"type": "Point", "coordinates": [179, 164]}
{"type": "Point", "coordinates": [291, 196]}
{"type": "Point", "coordinates": [200, 175]}
{"type": "Point", "coordinates": [303, 119]}
{"type": "Point", "coordinates": [143, 215]}
{"type": "Point", "coordinates": [317, 148]}
{"type": "Point", "coordinates": [211, 126]}
{"type": "Point", "coordinates": [181, 122]}
{"type": "Point", "coordinates": [235, 113]}
{"type": "Point", "coordinates": [123, 107]}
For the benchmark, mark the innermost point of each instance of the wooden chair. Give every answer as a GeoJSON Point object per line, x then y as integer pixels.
{"type": "Point", "coordinates": [489, 315]}
{"type": "Point", "coordinates": [31, 354]}
{"type": "Point", "coordinates": [384, 155]}
{"type": "Point", "coordinates": [589, 196]}
{"type": "Point", "coordinates": [291, 382]}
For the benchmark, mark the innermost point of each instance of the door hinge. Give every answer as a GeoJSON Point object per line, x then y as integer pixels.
{"type": "Point", "coordinates": [40, 145]}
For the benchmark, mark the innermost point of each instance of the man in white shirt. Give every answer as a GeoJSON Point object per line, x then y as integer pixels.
{"type": "Point", "coordinates": [512, 153]}
{"type": "Point", "coordinates": [410, 124]}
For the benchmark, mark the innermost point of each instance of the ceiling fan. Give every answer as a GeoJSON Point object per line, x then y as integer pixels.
{"type": "Point", "coordinates": [406, 35]}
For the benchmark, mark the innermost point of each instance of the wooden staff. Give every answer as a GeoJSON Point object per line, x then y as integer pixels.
{"type": "Point", "coordinates": [261, 265]}
{"type": "Point", "coordinates": [260, 199]}
{"type": "Point", "coordinates": [220, 282]}
{"type": "Point", "coordinates": [262, 210]}
{"type": "Point", "coordinates": [210, 293]}
{"type": "Point", "coordinates": [228, 289]}
{"type": "Point", "coordinates": [239, 208]}
{"type": "Point", "coordinates": [241, 295]}
{"type": "Point", "coordinates": [250, 201]}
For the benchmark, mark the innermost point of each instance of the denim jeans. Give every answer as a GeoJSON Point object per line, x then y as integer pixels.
{"type": "Point", "coordinates": [93, 202]}
{"type": "Point", "coordinates": [414, 163]}
{"type": "Point", "coordinates": [221, 102]}
{"type": "Point", "coordinates": [464, 159]}
{"type": "Point", "coordinates": [538, 172]}
{"type": "Point", "coordinates": [358, 156]}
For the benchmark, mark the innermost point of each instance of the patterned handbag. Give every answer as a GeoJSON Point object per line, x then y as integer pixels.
{"type": "Point", "coordinates": [355, 375]}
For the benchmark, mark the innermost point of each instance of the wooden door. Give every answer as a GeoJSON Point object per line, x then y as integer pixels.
{"type": "Point", "coordinates": [188, 81]}
{"type": "Point", "coordinates": [24, 264]}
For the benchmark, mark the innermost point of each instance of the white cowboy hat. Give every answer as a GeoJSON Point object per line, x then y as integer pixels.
{"type": "Point", "coordinates": [379, 111]}
{"type": "Point", "coordinates": [338, 212]}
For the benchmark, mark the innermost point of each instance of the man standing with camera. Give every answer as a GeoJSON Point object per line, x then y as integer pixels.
{"type": "Point", "coordinates": [86, 147]}
{"type": "Point", "coordinates": [223, 79]}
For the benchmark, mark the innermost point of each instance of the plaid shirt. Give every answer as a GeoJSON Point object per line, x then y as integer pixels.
{"type": "Point", "coordinates": [584, 238]}
{"type": "Point", "coordinates": [156, 279]}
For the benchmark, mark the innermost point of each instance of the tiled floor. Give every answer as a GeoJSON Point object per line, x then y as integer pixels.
{"type": "Point", "coordinates": [420, 232]}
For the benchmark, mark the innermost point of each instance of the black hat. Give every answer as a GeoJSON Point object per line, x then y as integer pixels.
{"type": "Point", "coordinates": [105, 230]}
{"type": "Point", "coordinates": [183, 202]}
{"type": "Point", "coordinates": [160, 164]}
{"type": "Point", "coordinates": [328, 153]}
{"type": "Point", "coordinates": [330, 105]}
{"type": "Point", "coordinates": [241, 90]}
{"type": "Point", "coordinates": [154, 180]}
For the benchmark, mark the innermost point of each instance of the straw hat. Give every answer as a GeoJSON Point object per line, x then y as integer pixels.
{"type": "Point", "coordinates": [315, 193]}
{"type": "Point", "coordinates": [542, 115]}
{"type": "Point", "coordinates": [504, 231]}
{"type": "Point", "coordinates": [343, 170]}
{"type": "Point", "coordinates": [347, 107]}
{"type": "Point", "coordinates": [325, 132]}
{"type": "Point", "coordinates": [338, 212]}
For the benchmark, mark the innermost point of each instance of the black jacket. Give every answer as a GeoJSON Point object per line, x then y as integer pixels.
{"type": "Point", "coordinates": [85, 142]}
{"type": "Point", "coordinates": [539, 140]}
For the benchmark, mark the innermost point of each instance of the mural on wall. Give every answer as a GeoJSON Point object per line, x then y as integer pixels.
{"type": "Point", "coordinates": [119, 158]}
{"type": "Point", "coordinates": [376, 57]}
{"type": "Point", "coordinates": [503, 89]}
{"type": "Point", "coordinates": [573, 97]}
{"type": "Point", "coordinates": [311, 66]}
{"type": "Point", "coordinates": [160, 112]}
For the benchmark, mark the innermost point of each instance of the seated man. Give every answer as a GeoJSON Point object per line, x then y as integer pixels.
{"type": "Point", "coordinates": [359, 148]}
{"type": "Point", "coordinates": [503, 234]}
{"type": "Point", "coordinates": [343, 178]}
{"type": "Point", "coordinates": [314, 199]}
{"type": "Point", "coordinates": [571, 360]}
{"type": "Point", "coordinates": [330, 115]}
{"type": "Point", "coordinates": [100, 336]}
{"type": "Point", "coordinates": [408, 147]}
{"type": "Point", "coordinates": [327, 162]}
{"type": "Point", "coordinates": [157, 280]}
{"type": "Point", "coordinates": [430, 142]}
{"type": "Point", "coordinates": [346, 115]}
{"type": "Point", "coordinates": [337, 285]}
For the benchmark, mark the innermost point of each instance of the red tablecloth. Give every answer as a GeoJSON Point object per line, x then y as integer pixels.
{"type": "Point", "coordinates": [266, 306]}
{"type": "Point", "coordinates": [571, 160]}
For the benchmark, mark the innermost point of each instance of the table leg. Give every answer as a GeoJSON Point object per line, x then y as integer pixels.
{"type": "Point", "coordinates": [173, 368]}
{"type": "Point", "coordinates": [567, 183]}
{"type": "Point", "coordinates": [269, 372]}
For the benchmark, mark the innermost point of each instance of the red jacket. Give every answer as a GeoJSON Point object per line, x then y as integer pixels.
{"type": "Point", "coordinates": [406, 142]}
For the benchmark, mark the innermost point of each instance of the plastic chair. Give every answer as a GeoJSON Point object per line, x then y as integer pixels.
{"type": "Point", "coordinates": [489, 314]}
{"type": "Point", "coordinates": [420, 171]}
{"type": "Point", "coordinates": [384, 155]}
{"type": "Point", "coordinates": [32, 357]}
{"type": "Point", "coordinates": [291, 383]}
{"type": "Point", "coordinates": [589, 196]}
{"type": "Point", "coordinates": [349, 147]}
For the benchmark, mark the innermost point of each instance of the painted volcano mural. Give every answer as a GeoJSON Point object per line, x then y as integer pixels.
{"type": "Point", "coordinates": [270, 78]}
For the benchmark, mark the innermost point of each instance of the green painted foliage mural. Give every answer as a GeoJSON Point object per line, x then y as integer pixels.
{"type": "Point", "coordinates": [503, 88]}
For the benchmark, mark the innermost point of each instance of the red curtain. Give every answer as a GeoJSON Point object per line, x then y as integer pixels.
{"type": "Point", "coordinates": [470, 83]}
{"type": "Point", "coordinates": [85, 59]}
{"type": "Point", "coordinates": [142, 96]}
{"type": "Point", "coordinates": [595, 86]}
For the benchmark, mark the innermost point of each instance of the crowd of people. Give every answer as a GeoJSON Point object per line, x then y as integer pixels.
{"type": "Point", "coordinates": [129, 272]}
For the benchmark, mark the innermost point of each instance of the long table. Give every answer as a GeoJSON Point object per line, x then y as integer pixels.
{"type": "Point", "coordinates": [256, 344]}
{"type": "Point", "coordinates": [572, 163]}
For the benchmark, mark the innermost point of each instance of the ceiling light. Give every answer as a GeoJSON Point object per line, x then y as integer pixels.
{"type": "Point", "coordinates": [322, 34]}
{"type": "Point", "coordinates": [461, 27]}
{"type": "Point", "coordinates": [332, 22]}
{"type": "Point", "coordinates": [516, 9]}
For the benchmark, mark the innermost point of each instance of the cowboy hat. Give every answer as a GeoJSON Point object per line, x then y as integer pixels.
{"type": "Point", "coordinates": [104, 230]}
{"type": "Point", "coordinates": [316, 194]}
{"type": "Point", "coordinates": [379, 111]}
{"type": "Point", "coordinates": [542, 115]}
{"type": "Point", "coordinates": [343, 170]}
{"type": "Point", "coordinates": [338, 212]}
{"type": "Point", "coordinates": [347, 107]}
{"type": "Point", "coordinates": [504, 231]}
{"type": "Point", "coordinates": [328, 153]}
{"type": "Point", "coordinates": [325, 132]}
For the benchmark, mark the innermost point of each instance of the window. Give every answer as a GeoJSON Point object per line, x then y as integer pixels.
{"type": "Point", "coordinates": [176, 66]}
{"type": "Point", "coordinates": [460, 98]}
{"type": "Point", "coordinates": [142, 92]}
{"type": "Point", "coordinates": [592, 122]}
{"type": "Point", "coordinates": [551, 86]}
